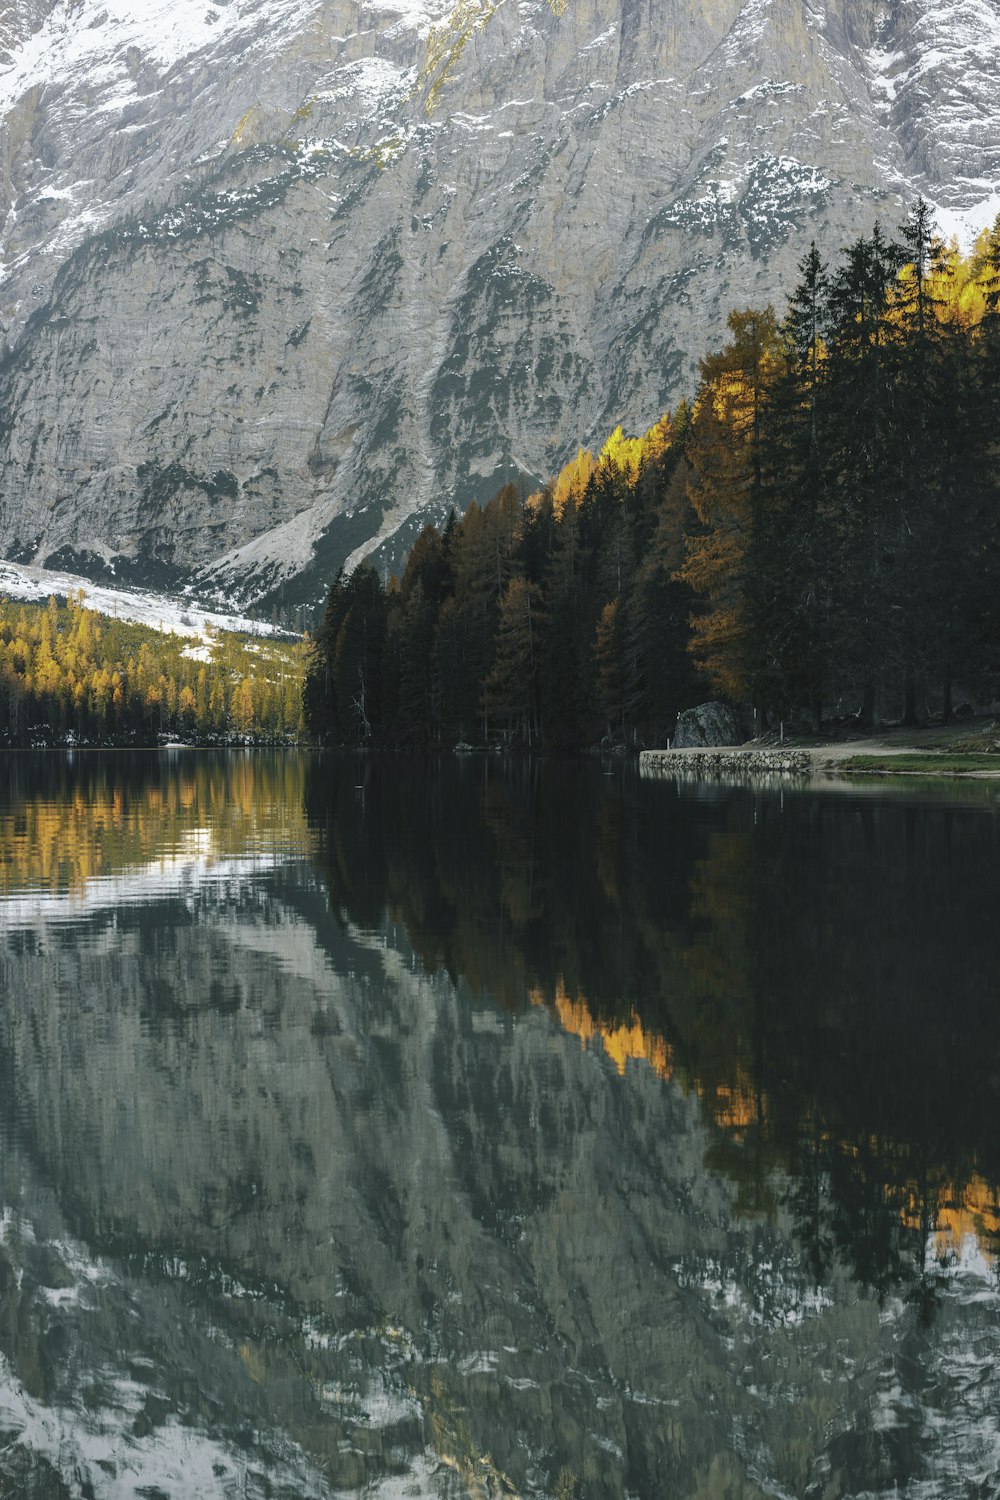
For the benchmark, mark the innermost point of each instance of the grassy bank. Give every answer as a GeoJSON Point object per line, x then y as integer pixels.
{"type": "Point", "coordinates": [930, 763]}
{"type": "Point", "coordinates": [970, 747]}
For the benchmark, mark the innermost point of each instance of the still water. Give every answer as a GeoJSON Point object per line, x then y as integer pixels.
{"type": "Point", "coordinates": [475, 1129]}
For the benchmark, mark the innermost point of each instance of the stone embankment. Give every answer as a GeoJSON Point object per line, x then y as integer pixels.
{"type": "Point", "coordinates": [739, 763]}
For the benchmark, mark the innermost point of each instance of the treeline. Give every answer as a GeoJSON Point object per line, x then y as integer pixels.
{"type": "Point", "coordinates": [816, 534]}
{"type": "Point", "coordinates": [551, 621]}
{"type": "Point", "coordinates": [843, 480]}
{"type": "Point", "coordinates": [67, 673]}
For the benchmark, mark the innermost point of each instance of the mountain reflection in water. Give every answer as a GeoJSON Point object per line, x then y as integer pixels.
{"type": "Point", "coordinates": [478, 1128]}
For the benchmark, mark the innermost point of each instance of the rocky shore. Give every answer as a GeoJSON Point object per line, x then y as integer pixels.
{"type": "Point", "coordinates": [739, 762]}
{"type": "Point", "coordinates": [757, 762]}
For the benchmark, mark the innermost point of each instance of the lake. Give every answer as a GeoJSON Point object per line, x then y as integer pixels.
{"type": "Point", "coordinates": [478, 1128]}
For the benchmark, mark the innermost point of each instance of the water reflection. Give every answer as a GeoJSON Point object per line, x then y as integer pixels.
{"type": "Point", "coordinates": [480, 1129]}
{"type": "Point", "coordinates": [820, 971]}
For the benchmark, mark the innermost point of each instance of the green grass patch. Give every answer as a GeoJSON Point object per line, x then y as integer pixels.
{"type": "Point", "coordinates": [930, 764]}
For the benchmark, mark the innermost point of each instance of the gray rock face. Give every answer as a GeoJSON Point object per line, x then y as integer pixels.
{"type": "Point", "coordinates": [282, 280]}
{"type": "Point", "coordinates": [708, 724]}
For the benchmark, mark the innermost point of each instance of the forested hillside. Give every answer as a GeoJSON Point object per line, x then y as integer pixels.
{"type": "Point", "coordinates": [69, 673]}
{"type": "Point", "coordinates": [815, 534]}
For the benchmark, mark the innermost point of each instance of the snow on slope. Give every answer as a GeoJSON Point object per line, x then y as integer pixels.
{"type": "Point", "coordinates": [966, 225]}
{"type": "Point", "coordinates": [374, 256]}
{"type": "Point", "coordinates": [934, 76]}
{"type": "Point", "coordinates": [92, 39]}
{"type": "Point", "coordinates": [158, 611]}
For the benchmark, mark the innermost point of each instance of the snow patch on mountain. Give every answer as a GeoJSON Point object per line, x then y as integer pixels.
{"type": "Point", "coordinates": [411, 15]}
{"type": "Point", "coordinates": [294, 219]}
{"type": "Point", "coordinates": [965, 225]}
{"type": "Point", "coordinates": [92, 39]}
{"type": "Point", "coordinates": [170, 616]}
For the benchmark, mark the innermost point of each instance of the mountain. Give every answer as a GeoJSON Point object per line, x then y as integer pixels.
{"type": "Point", "coordinates": [281, 281]}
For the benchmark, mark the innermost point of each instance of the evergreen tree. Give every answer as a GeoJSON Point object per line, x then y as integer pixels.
{"type": "Point", "coordinates": [563, 677]}
{"type": "Point", "coordinates": [793, 547]}
{"type": "Point", "coordinates": [358, 655]}
{"type": "Point", "coordinates": [865, 465]}
{"type": "Point", "coordinates": [511, 687]}
{"type": "Point", "coordinates": [609, 660]}
{"type": "Point", "coordinates": [725, 450]}
{"type": "Point", "coordinates": [926, 411]}
{"type": "Point", "coordinates": [660, 678]}
{"type": "Point", "coordinates": [427, 581]}
{"type": "Point", "coordinates": [483, 559]}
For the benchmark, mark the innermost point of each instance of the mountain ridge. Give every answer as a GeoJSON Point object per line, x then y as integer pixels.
{"type": "Point", "coordinates": [333, 269]}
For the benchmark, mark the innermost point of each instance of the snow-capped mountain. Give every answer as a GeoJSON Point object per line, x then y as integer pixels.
{"type": "Point", "coordinates": [282, 278]}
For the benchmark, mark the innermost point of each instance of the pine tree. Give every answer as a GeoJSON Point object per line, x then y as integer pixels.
{"type": "Point", "coordinates": [864, 454]}
{"type": "Point", "coordinates": [793, 547]}
{"type": "Point", "coordinates": [358, 657]}
{"type": "Point", "coordinates": [660, 675]}
{"type": "Point", "coordinates": [610, 673]}
{"type": "Point", "coordinates": [483, 558]}
{"type": "Point", "coordinates": [427, 581]}
{"type": "Point", "coordinates": [725, 450]}
{"type": "Point", "coordinates": [511, 686]}
{"type": "Point", "coordinates": [928, 525]}
{"type": "Point", "coordinates": [563, 689]}
{"type": "Point", "coordinates": [319, 696]}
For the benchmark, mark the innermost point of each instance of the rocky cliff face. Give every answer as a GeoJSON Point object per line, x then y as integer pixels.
{"type": "Point", "coordinates": [282, 280]}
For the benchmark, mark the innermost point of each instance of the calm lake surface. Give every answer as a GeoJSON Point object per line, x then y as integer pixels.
{"type": "Point", "coordinates": [477, 1129]}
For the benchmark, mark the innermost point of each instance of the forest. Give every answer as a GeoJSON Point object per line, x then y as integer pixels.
{"type": "Point", "coordinates": [68, 674]}
{"type": "Point", "coordinates": [813, 536]}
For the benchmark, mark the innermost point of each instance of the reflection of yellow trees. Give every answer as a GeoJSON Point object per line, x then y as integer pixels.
{"type": "Point", "coordinates": [623, 1042]}
{"type": "Point", "coordinates": [737, 1105]}
{"type": "Point", "coordinates": [733, 1105]}
{"type": "Point", "coordinates": [708, 978]}
{"type": "Point", "coordinates": [956, 1212]}
{"type": "Point", "coordinates": [704, 967]}
{"type": "Point", "coordinates": [120, 820]}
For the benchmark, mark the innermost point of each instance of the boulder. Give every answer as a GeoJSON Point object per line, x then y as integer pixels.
{"type": "Point", "coordinates": [708, 724]}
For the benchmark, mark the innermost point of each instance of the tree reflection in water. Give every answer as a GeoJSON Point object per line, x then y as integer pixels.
{"type": "Point", "coordinates": [481, 1127]}
{"type": "Point", "coordinates": [820, 970]}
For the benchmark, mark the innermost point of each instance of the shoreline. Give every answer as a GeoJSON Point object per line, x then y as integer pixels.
{"type": "Point", "coordinates": [853, 758]}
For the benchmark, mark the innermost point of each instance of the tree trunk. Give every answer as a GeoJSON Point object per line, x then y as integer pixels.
{"type": "Point", "coordinates": [871, 708]}
{"type": "Point", "coordinates": [949, 707]}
